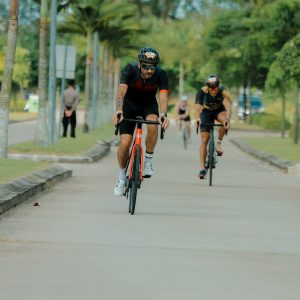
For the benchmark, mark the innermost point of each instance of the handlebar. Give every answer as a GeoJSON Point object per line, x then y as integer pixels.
{"type": "Point", "coordinates": [140, 121]}
{"type": "Point", "coordinates": [207, 125]}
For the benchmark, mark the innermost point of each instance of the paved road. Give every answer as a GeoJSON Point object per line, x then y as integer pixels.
{"type": "Point", "coordinates": [239, 239]}
{"type": "Point", "coordinates": [23, 131]}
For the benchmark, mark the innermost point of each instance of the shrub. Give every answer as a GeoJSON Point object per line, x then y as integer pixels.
{"type": "Point", "coordinates": [268, 121]}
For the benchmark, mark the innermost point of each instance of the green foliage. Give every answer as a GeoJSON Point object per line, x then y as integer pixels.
{"type": "Point", "coordinates": [268, 121]}
{"type": "Point", "coordinates": [292, 130]}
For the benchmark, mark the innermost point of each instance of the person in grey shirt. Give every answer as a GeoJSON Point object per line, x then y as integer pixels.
{"type": "Point", "coordinates": [71, 99]}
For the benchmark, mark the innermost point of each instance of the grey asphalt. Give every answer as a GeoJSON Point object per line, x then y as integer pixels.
{"type": "Point", "coordinates": [238, 239]}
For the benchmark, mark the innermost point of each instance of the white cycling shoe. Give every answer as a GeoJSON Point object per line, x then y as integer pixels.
{"type": "Point", "coordinates": [148, 170]}
{"type": "Point", "coordinates": [119, 187]}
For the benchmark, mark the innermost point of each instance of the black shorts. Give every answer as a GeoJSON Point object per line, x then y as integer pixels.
{"type": "Point", "coordinates": [131, 111]}
{"type": "Point", "coordinates": [186, 119]}
{"type": "Point", "coordinates": [209, 117]}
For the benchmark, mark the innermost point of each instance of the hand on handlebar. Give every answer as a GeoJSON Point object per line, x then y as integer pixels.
{"type": "Point", "coordinates": [118, 117]}
{"type": "Point", "coordinates": [164, 121]}
{"type": "Point", "coordinates": [226, 124]}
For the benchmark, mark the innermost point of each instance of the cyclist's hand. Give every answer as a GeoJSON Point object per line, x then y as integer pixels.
{"type": "Point", "coordinates": [164, 121]}
{"type": "Point", "coordinates": [226, 124]}
{"type": "Point", "coordinates": [197, 123]}
{"type": "Point", "coordinates": [118, 117]}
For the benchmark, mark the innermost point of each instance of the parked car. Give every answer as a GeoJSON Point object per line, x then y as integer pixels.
{"type": "Point", "coordinates": [254, 105]}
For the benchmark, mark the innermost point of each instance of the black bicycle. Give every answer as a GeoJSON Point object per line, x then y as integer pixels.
{"type": "Point", "coordinates": [211, 154]}
{"type": "Point", "coordinates": [135, 161]}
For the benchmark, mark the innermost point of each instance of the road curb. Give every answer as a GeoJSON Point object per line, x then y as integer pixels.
{"type": "Point", "coordinates": [17, 191]}
{"type": "Point", "coordinates": [282, 164]}
{"type": "Point", "coordinates": [95, 153]}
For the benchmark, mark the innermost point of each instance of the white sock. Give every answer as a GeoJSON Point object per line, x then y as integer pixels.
{"type": "Point", "coordinates": [148, 157]}
{"type": "Point", "coordinates": [122, 174]}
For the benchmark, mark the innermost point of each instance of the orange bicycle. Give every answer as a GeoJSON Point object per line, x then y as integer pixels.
{"type": "Point", "coordinates": [135, 162]}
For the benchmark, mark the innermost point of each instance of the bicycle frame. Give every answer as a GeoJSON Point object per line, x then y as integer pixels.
{"type": "Point", "coordinates": [137, 141]}
{"type": "Point", "coordinates": [210, 160]}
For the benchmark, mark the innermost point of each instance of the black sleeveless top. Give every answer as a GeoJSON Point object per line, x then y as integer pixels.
{"type": "Point", "coordinates": [208, 101]}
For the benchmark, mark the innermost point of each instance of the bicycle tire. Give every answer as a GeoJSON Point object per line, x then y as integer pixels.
{"type": "Point", "coordinates": [184, 138]}
{"type": "Point", "coordinates": [211, 159]}
{"type": "Point", "coordinates": [135, 180]}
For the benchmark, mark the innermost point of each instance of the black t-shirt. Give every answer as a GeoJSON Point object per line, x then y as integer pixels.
{"type": "Point", "coordinates": [142, 91]}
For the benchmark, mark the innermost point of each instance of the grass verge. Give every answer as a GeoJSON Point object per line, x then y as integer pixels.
{"type": "Point", "coordinates": [281, 147]}
{"type": "Point", "coordinates": [11, 169]}
{"type": "Point", "coordinates": [67, 146]}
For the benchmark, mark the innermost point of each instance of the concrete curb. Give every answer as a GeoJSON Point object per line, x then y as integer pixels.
{"type": "Point", "coordinates": [95, 153]}
{"type": "Point", "coordinates": [17, 191]}
{"type": "Point", "coordinates": [284, 165]}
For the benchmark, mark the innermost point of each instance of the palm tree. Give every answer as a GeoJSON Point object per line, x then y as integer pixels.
{"type": "Point", "coordinates": [41, 130]}
{"type": "Point", "coordinates": [87, 17]}
{"type": "Point", "coordinates": [7, 76]}
{"type": "Point", "coordinates": [41, 137]}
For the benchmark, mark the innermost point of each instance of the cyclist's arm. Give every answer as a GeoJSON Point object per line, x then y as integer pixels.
{"type": "Point", "coordinates": [163, 101]}
{"type": "Point", "coordinates": [227, 103]}
{"type": "Point", "coordinates": [122, 90]}
{"type": "Point", "coordinates": [199, 104]}
{"type": "Point", "coordinates": [198, 111]}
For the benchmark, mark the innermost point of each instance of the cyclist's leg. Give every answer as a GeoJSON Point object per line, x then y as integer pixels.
{"type": "Point", "coordinates": [188, 127]}
{"type": "Point", "coordinates": [206, 118]}
{"type": "Point", "coordinates": [126, 136]}
{"type": "Point", "coordinates": [179, 123]}
{"type": "Point", "coordinates": [222, 118]}
{"type": "Point", "coordinates": [150, 113]}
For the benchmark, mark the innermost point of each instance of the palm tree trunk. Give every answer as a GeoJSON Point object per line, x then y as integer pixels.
{"type": "Point", "coordinates": [41, 131]}
{"type": "Point", "coordinates": [87, 85]}
{"type": "Point", "coordinates": [117, 65]}
{"type": "Point", "coordinates": [7, 76]}
{"type": "Point", "coordinates": [282, 115]}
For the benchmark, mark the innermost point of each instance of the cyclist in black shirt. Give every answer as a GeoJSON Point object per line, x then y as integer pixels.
{"type": "Point", "coordinates": [136, 96]}
{"type": "Point", "coordinates": [213, 102]}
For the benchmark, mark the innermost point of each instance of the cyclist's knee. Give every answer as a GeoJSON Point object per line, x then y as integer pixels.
{"type": "Point", "coordinates": [125, 142]}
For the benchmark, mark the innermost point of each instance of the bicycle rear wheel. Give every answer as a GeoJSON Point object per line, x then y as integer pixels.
{"type": "Point", "coordinates": [211, 150]}
{"type": "Point", "coordinates": [135, 180]}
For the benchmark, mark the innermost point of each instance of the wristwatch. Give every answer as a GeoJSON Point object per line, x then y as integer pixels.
{"type": "Point", "coordinates": [164, 115]}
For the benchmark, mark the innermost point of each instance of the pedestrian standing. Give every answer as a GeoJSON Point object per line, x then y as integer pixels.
{"type": "Point", "coordinates": [70, 102]}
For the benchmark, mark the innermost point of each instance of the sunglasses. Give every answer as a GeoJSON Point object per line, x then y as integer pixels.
{"type": "Point", "coordinates": [148, 67]}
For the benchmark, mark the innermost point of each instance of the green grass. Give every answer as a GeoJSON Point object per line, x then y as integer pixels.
{"type": "Point", "coordinates": [12, 169]}
{"type": "Point", "coordinates": [283, 148]}
{"type": "Point", "coordinates": [243, 125]}
{"type": "Point", "coordinates": [21, 116]}
{"type": "Point", "coordinates": [67, 146]}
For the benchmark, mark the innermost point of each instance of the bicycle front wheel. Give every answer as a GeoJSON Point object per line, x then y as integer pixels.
{"type": "Point", "coordinates": [211, 159]}
{"type": "Point", "coordinates": [184, 138]}
{"type": "Point", "coordinates": [135, 180]}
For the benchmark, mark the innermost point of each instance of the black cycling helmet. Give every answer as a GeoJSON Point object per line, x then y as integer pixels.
{"type": "Point", "coordinates": [149, 55]}
{"type": "Point", "coordinates": [213, 81]}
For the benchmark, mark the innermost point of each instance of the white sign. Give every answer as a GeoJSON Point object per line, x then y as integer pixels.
{"type": "Point", "coordinates": [65, 58]}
